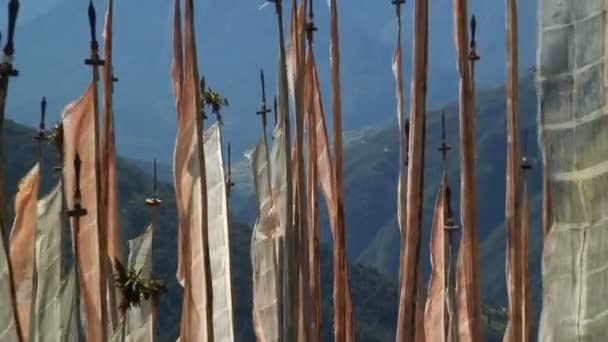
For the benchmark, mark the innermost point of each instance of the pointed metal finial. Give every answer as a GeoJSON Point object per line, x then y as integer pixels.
{"type": "Point", "coordinates": [263, 109]}
{"type": "Point", "coordinates": [311, 14]}
{"type": "Point", "coordinates": [202, 83]}
{"type": "Point", "coordinates": [444, 148]}
{"type": "Point", "coordinates": [310, 25]}
{"type": "Point", "coordinates": [278, 5]}
{"type": "Point", "coordinates": [42, 112]}
{"type": "Point", "coordinates": [94, 60]}
{"type": "Point", "coordinates": [263, 87]}
{"type": "Point", "coordinates": [473, 28]}
{"type": "Point", "coordinates": [13, 11]}
{"type": "Point", "coordinates": [92, 25]}
{"type": "Point", "coordinates": [41, 130]}
{"type": "Point", "coordinates": [473, 56]}
{"type": "Point", "coordinates": [154, 201]}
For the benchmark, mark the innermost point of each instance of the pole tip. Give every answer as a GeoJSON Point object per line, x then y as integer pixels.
{"type": "Point", "coordinates": [13, 11]}
{"type": "Point", "coordinates": [42, 112]}
{"type": "Point", "coordinates": [92, 24]}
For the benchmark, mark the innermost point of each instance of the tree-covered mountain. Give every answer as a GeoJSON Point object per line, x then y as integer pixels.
{"type": "Point", "coordinates": [371, 172]}
{"type": "Point", "coordinates": [371, 175]}
{"type": "Point", "coordinates": [236, 39]}
{"type": "Point", "coordinates": [374, 294]}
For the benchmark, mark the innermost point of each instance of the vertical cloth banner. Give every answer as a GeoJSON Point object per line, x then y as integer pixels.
{"type": "Point", "coordinates": [573, 123]}
{"type": "Point", "coordinates": [47, 313]}
{"type": "Point", "coordinates": [219, 239]}
{"type": "Point", "coordinates": [79, 138]}
{"type": "Point", "coordinates": [22, 245]}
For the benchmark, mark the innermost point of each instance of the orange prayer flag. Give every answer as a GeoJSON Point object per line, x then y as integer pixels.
{"type": "Point", "coordinates": [22, 246]}
{"type": "Point", "coordinates": [79, 138]}
{"type": "Point", "coordinates": [190, 188]}
{"type": "Point", "coordinates": [436, 316]}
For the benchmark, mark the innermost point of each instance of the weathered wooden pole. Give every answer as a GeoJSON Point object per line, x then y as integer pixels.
{"type": "Point", "coordinates": [153, 203]}
{"type": "Point", "coordinates": [290, 265]}
{"type": "Point", "coordinates": [6, 72]}
{"type": "Point", "coordinates": [94, 61]}
{"type": "Point", "coordinates": [75, 213]}
{"type": "Point", "coordinates": [41, 136]}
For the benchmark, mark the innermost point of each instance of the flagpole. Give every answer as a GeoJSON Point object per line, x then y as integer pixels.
{"type": "Point", "coordinates": [41, 136]}
{"type": "Point", "coordinates": [403, 138]}
{"type": "Point", "coordinates": [473, 58]}
{"type": "Point", "coordinates": [408, 326]}
{"type": "Point", "coordinates": [450, 228]}
{"type": "Point", "coordinates": [290, 264]}
{"type": "Point", "coordinates": [153, 203]}
{"type": "Point", "coordinates": [95, 62]}
{"type": "Point", "coordinates": [301, 242]}
{"type": "Point", "coordinates": [512, 220]}
{"type": "Point", "coordinates": [526, 309]}
{"type": "Point", "coordinates": [6, 72]}
{"type": "Point", "coordinates": [314, 279]}
{"type": "Point", "coordinates": [468, 264]}
{"type": "Point", "coordinates": [75, 214]}
{"type": "Point", "coordinates": [192, 70]}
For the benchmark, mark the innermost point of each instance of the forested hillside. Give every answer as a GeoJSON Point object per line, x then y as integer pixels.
{"type": "Point", "coordinates": [374, 295]}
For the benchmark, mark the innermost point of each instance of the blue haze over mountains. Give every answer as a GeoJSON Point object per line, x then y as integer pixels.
{"type": "Point", "coordinates": [236, 38]}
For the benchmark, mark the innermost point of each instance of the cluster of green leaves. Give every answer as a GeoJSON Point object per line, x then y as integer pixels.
{"type": "Point", "coordinates": [214, 100]}
{"type": "Point", "coordinates": [134, 288]}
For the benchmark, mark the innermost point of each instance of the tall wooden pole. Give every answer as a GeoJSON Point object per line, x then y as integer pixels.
{"type": "Point", "coordinates": [468, 265]}
{"type": "Point", "coordinates": [409, 306]}
{"type": "Point", "coordinates": [525, 307]}
{"type": "Point", "coordinates": [153, 203]}
{"type": "Point", "coordinates": [450, 229]}
{"type": "Point", "coordinates": [6, 72]}
{"type": "Point", "coordinates": [513, 222]}
{"type": "Point", "coordinates": [314, 253]}
{"type": "Point", "coordinates": [289, 312]}
{"type": "Point", "coordinates": [41, 136]}
{"type": "Point", "coordinates": [75, 214]}
{"type": "Point", "coordinates": [95, 62]}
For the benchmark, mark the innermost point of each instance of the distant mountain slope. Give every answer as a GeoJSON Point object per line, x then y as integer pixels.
{"type": "Point", "coordinates": [375, 296]}
{"type": "Point", "coordinates": [372, 170]}
{"type": "Point", "coordinates": [235, 40]}
{"type": "Point", "coordinates": [371, 175]}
